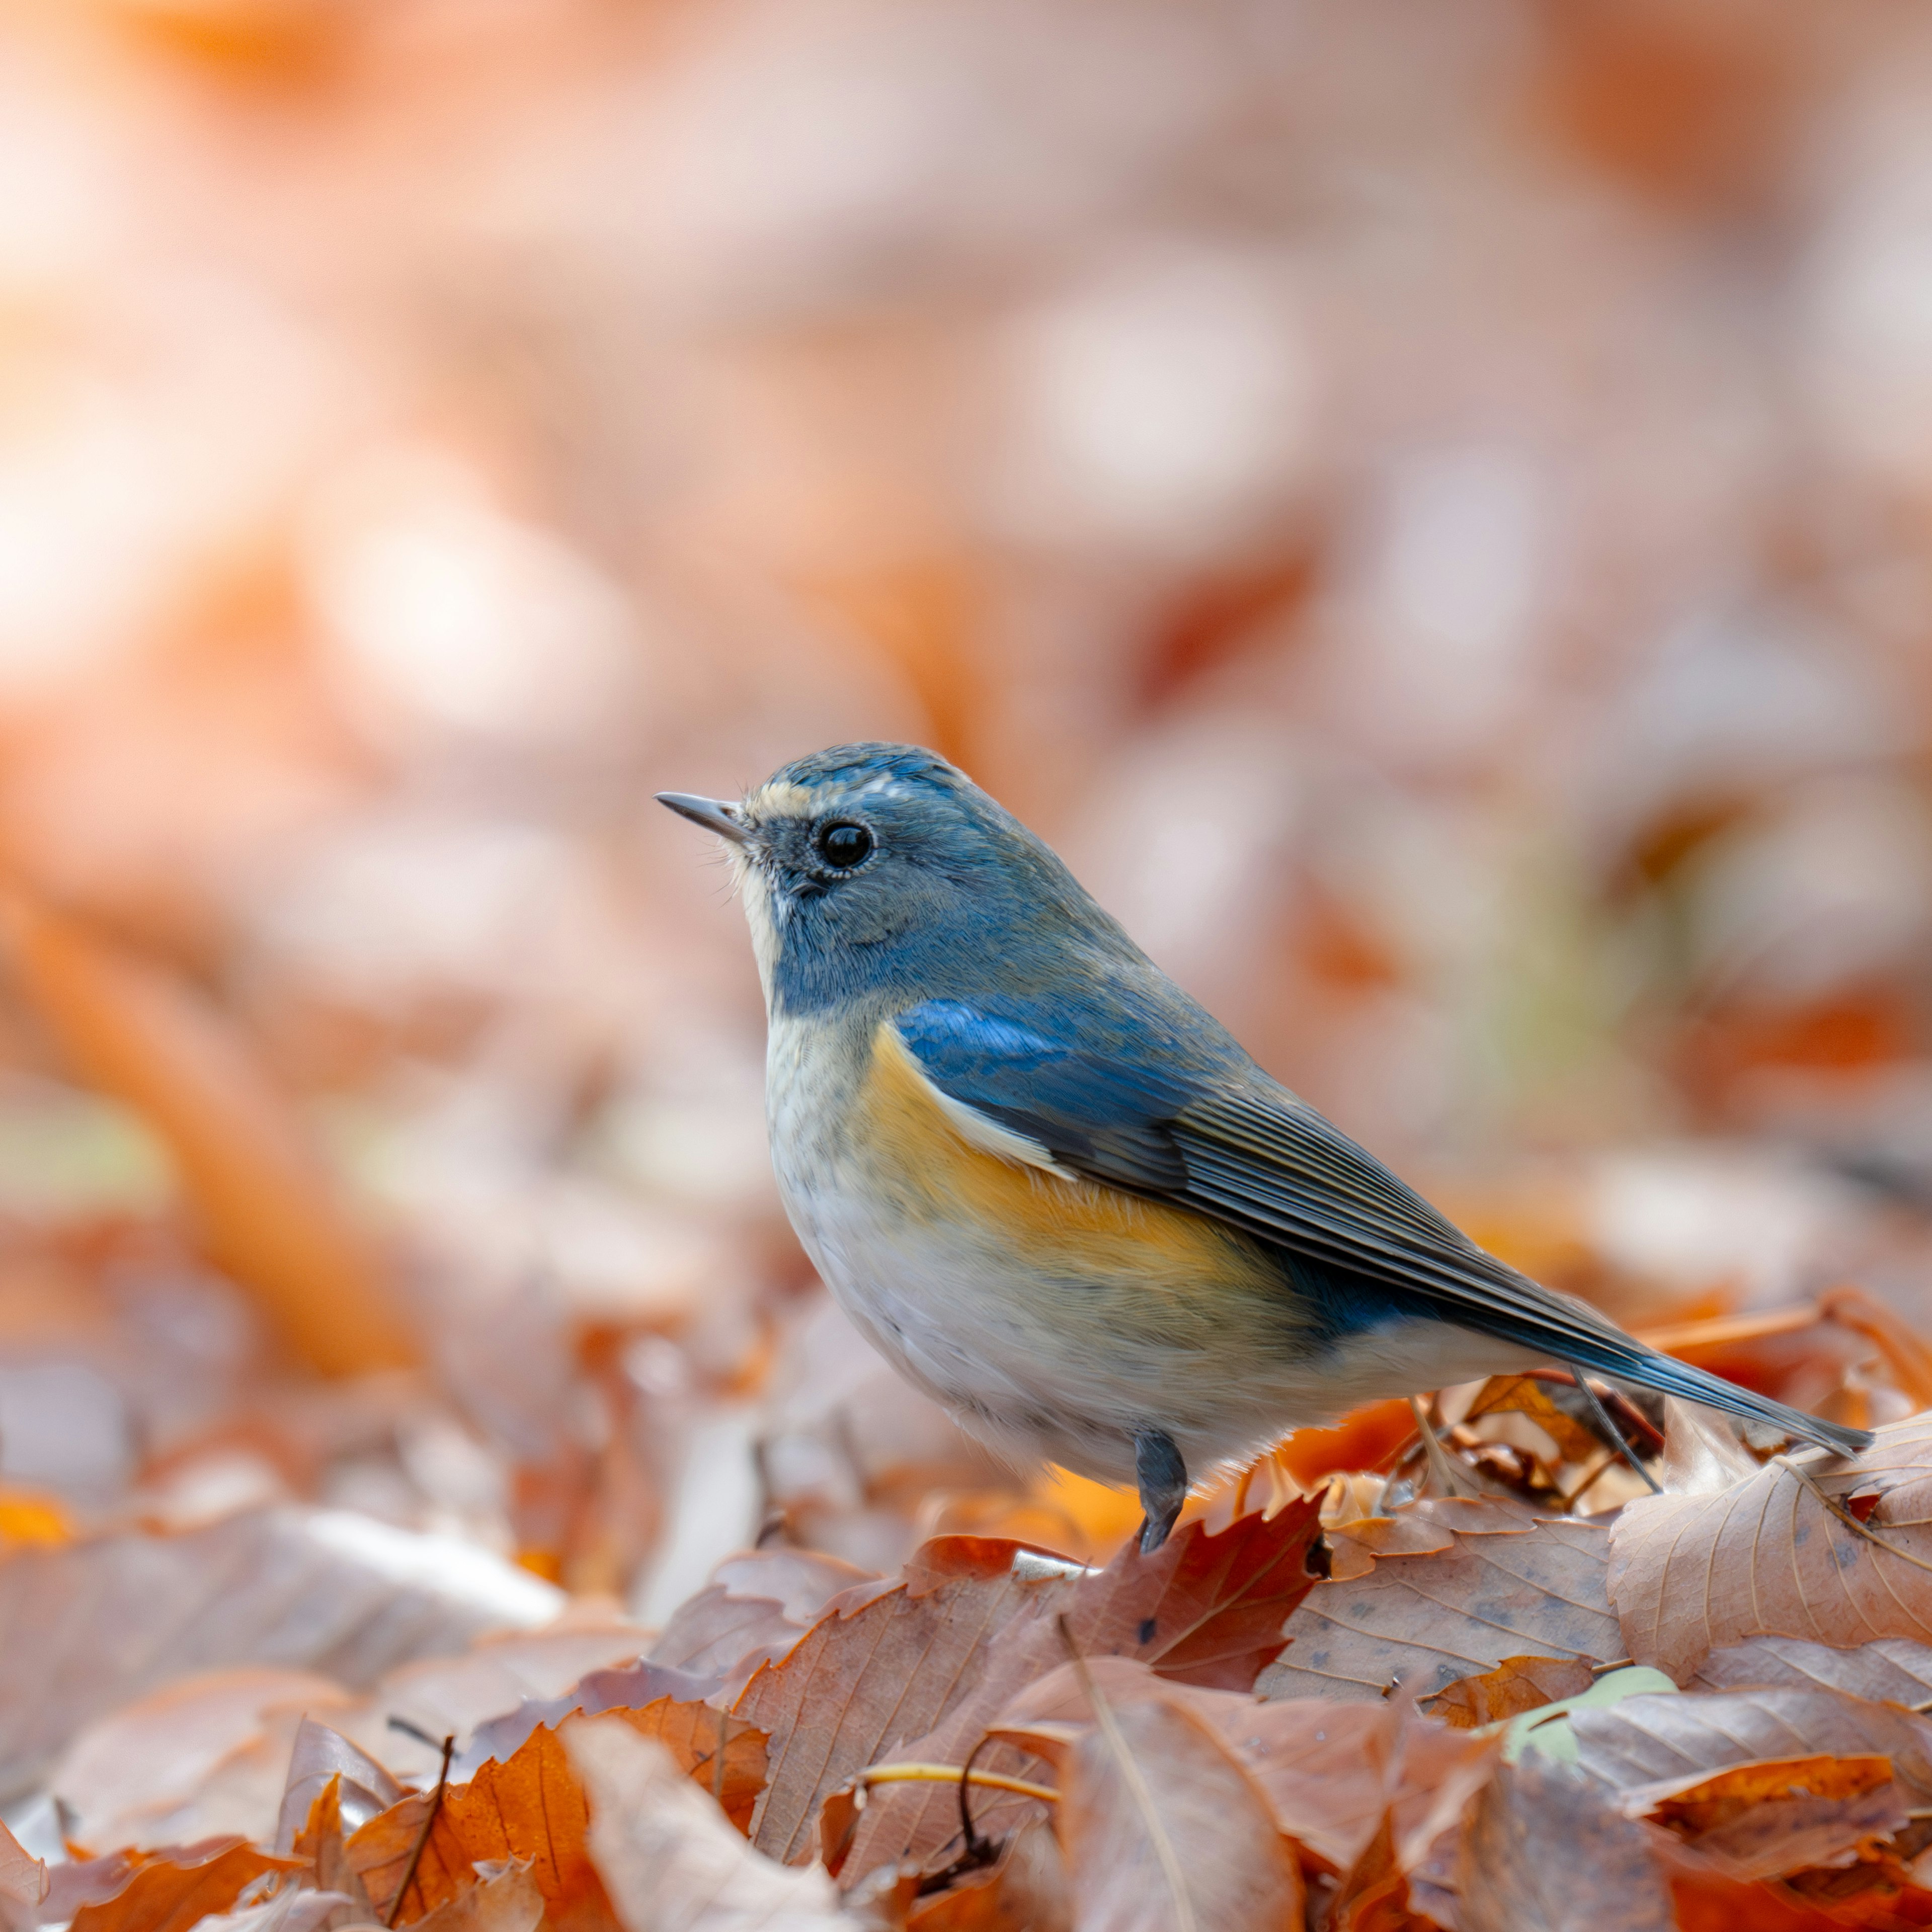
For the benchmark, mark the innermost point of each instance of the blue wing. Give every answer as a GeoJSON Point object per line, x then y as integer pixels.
{"type": "Point", "coordinates": [1206, 1130]}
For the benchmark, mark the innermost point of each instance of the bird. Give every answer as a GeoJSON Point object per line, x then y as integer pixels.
{"type": "Point", "coordinates": [1056, 1193]}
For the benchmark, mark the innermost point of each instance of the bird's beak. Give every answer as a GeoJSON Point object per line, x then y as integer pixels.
{"type": "Point", "coordinates": [713, 814]}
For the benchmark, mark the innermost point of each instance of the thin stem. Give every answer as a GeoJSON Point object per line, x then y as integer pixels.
{"type": "Point", "coordinates": [955, 1774]}
{"type": "Point", "coordinates": [422, 1836]}
{"type": "Point", "coordinates": [1846, 1517]}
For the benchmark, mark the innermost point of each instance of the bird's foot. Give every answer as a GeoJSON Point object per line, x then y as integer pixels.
{"type": "Point", "coordinates": [1163, 1481]}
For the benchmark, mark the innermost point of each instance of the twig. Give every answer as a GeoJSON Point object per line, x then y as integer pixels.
{"type": "Point", "coordinates": [955, 1774]}
{"type": "Point", "coordinates": [422, 1836]}
{"type": "Point", "coordinates": [1136, 1783]}
{"type": "Point", "coordinates": [1594, 1468]}
{"type": "Point", "coordinates": [1440, 1466]}
{"type": "Point", "coordinates": [718, 1768]}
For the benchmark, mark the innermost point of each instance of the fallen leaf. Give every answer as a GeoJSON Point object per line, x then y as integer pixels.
{"type": "Point", "coordinates": [1373, 1894]}
{"type": "Point", "coordinates": [530, 1807]}
{"type": "Point", "coordinates": [1421, 1530]}
{"type": "Point", "coordinates": [1772, 1817]}
{"type": "Point", "coordinates": [628, 1688]}
{"type": "Point", "coordinates": [1424, 1622]}
{"type": "Point", "coordinates": [271, 1216]}
{"type": "Point", "coordinates": [503, 1900]}
{"type": "Point", "coordinates": [203, 1757]}
{"type": "Point", "coordinates": [1542, 1853]}
{"type": "Point", "coordinates": [293, 1909]}
{"type": "Point", "coordinates": [1894, 1670]}
{"type": "Point", "coordinates": [91, 1626]}
{"type": "Point", "coordinates": [758, 1604]}
{"type": "Point", "coordinates": [1163, 1830]}
{"type": "Point", "coordinates": [320, 1758]}
{"type": "Point", "coordinates": [920, 1674]}
{"type": "Point", "coordinates": [322, 1844]}
{"type": "Point", "coordinates": [1529, 1395]}
{"type": "Point", "coordinates": [1024, 1890]}
{"type": "Point", "coordinates": [1765, 1557]}
{"type": "Point", "coordinates": [1647, 1748]}
{"type": "Point", "coordinates": [670, 1861]}
{"type": "Point", "coordinates": [1331, 1773]}
{"type": "Point", "coordinates": [177, 1889]}
{"type": "Point", "coordinates": [23, 1885]}
{"type": "Point", "coordinates": [1517, 1684]}
{"type": "Point", "coordinates": [694, 1734]}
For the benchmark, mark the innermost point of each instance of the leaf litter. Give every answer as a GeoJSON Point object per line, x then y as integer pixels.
{"type": "Point", "coordinates": [1295, 1711]}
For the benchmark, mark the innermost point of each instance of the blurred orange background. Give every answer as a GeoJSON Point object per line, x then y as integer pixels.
{"type": "Point", "coordinates": [1429, 508]}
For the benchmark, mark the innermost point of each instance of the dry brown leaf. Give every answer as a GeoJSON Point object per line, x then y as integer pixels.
{"type": "Point", "coordinates": [1648, 1748]}
{"type": "Point", "coordinates": [530, 1808]}
{"type": "Point", "coordinates": [505, 1900]}
{"type": "Point", "coordinates": [323, 1762]}
{"type": "Point", "coordinates": [1766, 1557]}
{"type": "Point", "coordinates": [88, 1627]}
{"type": "Point", "coordinates": [23, 1885]}
{"type": "Point", "coordinates": [920, 1674]}
{"type": "Point", "coordinates": [1163, 1830]}
{"type": "Point", "coordinates": [629, 1687]}
{"type": "Point", "coordinates": [670, 1861]}
{"type": "Point", "coordinates": [1424, 1622]}
{"type": "Point", "coordinates": [1331, 1773]}
{"type": "Point", "coordinates": [205, 1757]}
{"type": "Point", "coordinates": [1421, 1530]}
{"type": "Point", "coordinates": [271, 1215]}
{"type": "Point", "coordinates": [178, 1888]}
{"type": "Point", "coordinates": [1517, 1684]}
{"type": "Point", "coordinates": [1769, 1818]}
{"type": "Point", "coordinates": [694, 1734]}
{"type": "Point", "coordinates": [1894, 1670]}
{"type": "Point", "coordinates": [1373, 1894]}
{"type": "Point", "coordinates": [1542, 1853]}
{"type": "Point", "coordinates": [1530, 1396]}
{"type": "Point", "coordinates": [294, 1909]}
{"type": "Point", "coordinates": [323, 1844]}
{"type": "Point", "coordinates": [758, 1604]}
{"type": "Point", "coordinates": [1024, 1890]}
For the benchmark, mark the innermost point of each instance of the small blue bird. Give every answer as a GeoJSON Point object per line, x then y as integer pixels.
{"type": "Point", "coordinates": [1053, 1190]}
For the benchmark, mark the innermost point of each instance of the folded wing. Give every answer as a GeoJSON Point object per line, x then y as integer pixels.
{"type": "Point", "coordinates": [1227, 1142]}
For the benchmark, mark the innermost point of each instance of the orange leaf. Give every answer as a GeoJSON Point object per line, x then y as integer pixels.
{"type": "Point", "coordinates": [171, 1891]}
{"type": "Point", "coordinates": [1718, 1800]}
{"type": "Point", "coordinates": [269, 1214]}
{"type": "Point", "coordinates": [1517, 1684]}
{"type": "Point", "coordinates": [531, 1807]}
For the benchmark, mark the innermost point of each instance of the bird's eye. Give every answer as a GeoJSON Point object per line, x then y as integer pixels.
{"type": "Point", "coordinates": [844, 845]}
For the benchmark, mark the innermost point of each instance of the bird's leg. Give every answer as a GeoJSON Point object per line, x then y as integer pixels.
{"type": "Point", "coordinates": [1607, 1424]}
{"type": "Point", "coordinates": [1163, 1481]}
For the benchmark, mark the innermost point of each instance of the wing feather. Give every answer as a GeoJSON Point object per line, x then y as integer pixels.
{"type": "Point", "coordinates": [1229, 1143]}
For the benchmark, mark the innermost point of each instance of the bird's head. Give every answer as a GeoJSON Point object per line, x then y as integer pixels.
{"type": "Point", "coordinates": [869, 867]}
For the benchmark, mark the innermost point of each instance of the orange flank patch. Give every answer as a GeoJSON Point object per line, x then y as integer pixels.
{"type": "Point", "coordinates": [1076, 1229]}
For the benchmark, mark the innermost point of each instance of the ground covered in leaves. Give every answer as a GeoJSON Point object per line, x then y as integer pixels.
{"type": "Point", "coordinates": [1432, 1692]}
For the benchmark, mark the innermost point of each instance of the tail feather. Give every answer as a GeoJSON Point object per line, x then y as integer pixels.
{"type": "Point", "coordinates": [1649, 1369]}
